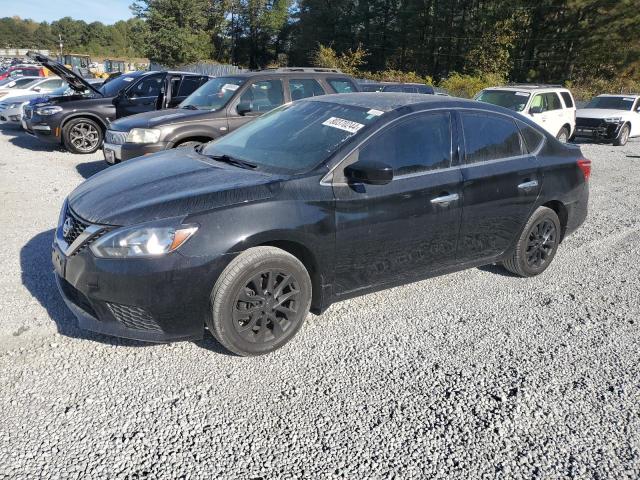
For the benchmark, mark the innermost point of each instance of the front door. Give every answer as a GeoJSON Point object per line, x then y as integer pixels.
{"type": "Point", "coordinates": [143, 96]}
{"type": "Point", "coordinates": [501, 184]}
{"type": "Point", "coordinates": [256, 98]}
{"type": "Point", "coordinates": [409, 227]}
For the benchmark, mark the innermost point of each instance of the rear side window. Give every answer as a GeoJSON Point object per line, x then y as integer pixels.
{"type": "Point", "coordinates": [488, 137]}
{"type": "Point", "coordinates": [553, 101]}
{"type": "Point", "coordinates": [426, 90]}
{"type": "Point", "coordinates": [304, 88]}
{"type": "Point", "coordinates": [568, 101]}
{"type": "Point", "coordinates": [342, 85]}
{"type": "Point", "coordinates": [415, 145]}
{"type": "Point", "coordinates": [532, 137]}
{"type": "Point", "coordinates": [188, 86]}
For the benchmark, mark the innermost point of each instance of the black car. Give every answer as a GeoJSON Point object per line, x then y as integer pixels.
{"type": "Point", "coordinates": [217, 108]}
{"type": "Point", "coordinates": [397, 87]}
{"type": "Point", "coordinates": [320, 200]}
{"type": "Point", "coordinates": [79, 121]}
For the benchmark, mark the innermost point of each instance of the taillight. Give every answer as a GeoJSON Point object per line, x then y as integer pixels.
{"type": "Point", "coordinates": [585, 166]}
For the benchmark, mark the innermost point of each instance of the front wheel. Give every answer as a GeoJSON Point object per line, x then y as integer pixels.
{"type": "Point", "coordinates": [259, 301]}
{"type": "Point", "coordinates": [537, 245]}
{"type": "Point", "coordinates": [82, 135]}
{"type": "Point", "coordinates": [623, 136]}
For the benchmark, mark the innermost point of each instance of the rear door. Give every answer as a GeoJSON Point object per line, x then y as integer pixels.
{"type": "Point", "coordinates": [143, 96]}
{"type": "Point", "coordinates": [501, 183]}
{"type": "Point", "coordinates": [557, 115]}
{"type": "Point", "coordinates": [409, 227]}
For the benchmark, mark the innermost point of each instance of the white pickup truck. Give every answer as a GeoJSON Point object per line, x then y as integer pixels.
{"type": "Point", "coordinates": [614, 118]}
{"type": "Point", "coordinates": [550, 106]}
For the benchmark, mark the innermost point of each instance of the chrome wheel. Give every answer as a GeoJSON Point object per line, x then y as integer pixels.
{"type": "Point", "coordinates": [84, 137]}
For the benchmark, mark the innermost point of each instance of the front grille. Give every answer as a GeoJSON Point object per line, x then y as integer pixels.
{"type": "Point", "coordinates": [589, 122]}
{"type": "Point", "coordinates": [115, 138]}
{"type": "Point", "coordinates": [72, 227]}
{"type": "Point", "coordinates": [77, 297]}
{"type": "Point", "coordinates": [27, 112]}
{"type": "Point", "coordinates": [135, 318]}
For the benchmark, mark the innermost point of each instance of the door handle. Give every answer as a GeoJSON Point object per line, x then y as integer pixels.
{"type": "Point", "coordinates": [528, 185]}
{"type": "Point", "coordinates": [445, 199]}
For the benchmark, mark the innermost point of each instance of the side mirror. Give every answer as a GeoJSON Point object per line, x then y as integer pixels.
{"type": "Point", "coordinates": [244, 107]}
{"type": "Point", "coordinates": [372, 173]}
{"type": "Point", "coordinates": [37, 89]}
{"type": "Point", "coordinates": [534, 110]}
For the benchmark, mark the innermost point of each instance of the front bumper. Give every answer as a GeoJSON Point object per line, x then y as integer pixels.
{"type": "Point", "coordinates": [46, 129]}
{"type": "Point", "coordinates": [11, 116]}
{"type": "Point", "coordinates": [150, 299]}
{"type": "Point", "coordinates": [128, 151]}
{"type": "Point", "coordinates": [598, 131]}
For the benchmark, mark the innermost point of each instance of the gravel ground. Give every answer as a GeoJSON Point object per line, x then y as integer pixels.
{"type": "Point", "coordinates": [472, 375]}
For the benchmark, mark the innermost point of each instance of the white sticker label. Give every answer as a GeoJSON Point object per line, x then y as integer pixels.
{"type": "Point", "coordinates": [127, 79]}
{"type": "Point", "coordinates": [375, 112]}
{"type": "Point", "coordinates": [230, 86]}
{"type": "Point", "coordinates": [629, 99]}
{"type": "Point", "coordinates": [522, 94]}
{"type": "Point", "coordinates": [342, 124]}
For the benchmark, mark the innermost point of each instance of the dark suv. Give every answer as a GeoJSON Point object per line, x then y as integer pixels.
{"type": "Point", "coordinates": [219, 107]}
{"type": "Point", "coordinates": [321, 200]}
{"type": "Point", "coordinates": [397, 87]}
{"type": "Point", "coordinates": [79, 121]}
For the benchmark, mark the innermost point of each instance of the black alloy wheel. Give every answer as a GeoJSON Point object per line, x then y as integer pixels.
{"type": "Point", "coordinates": [542, 243]}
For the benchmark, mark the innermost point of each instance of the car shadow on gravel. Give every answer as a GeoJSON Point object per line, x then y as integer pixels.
{"type": "Point", "coordinates": [38, 278]}
{"type": "Point", "coordinates": [497, 270]}
{"type": "Point", "coordinates": [24, 140]}
{"type": "Point", "coordinates": [91, 168]}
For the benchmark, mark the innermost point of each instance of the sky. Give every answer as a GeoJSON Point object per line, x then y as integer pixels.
{"type": "Point", "coordinates": [105, 11]}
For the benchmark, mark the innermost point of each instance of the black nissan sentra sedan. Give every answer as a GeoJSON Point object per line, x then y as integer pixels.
{"type": "Point", "coordinates": [320, 200]}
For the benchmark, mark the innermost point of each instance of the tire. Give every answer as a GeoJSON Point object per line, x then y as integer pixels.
{"type": "Point", "coordinates": [563, 135]}
{"type": "Point", "coordinates": [248, 314]}
{"type": "Point", "coordinates": [537, 244]}
{"type": "Point", "coordinates": [82, 135]}
{"type": "Point", "coordinates": [191, 144]}
{"type": "Point", "coordinates": [623, 136]}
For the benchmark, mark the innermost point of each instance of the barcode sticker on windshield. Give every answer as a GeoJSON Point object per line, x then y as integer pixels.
{"type": "Point", "coordinates": [522, 94]}
{"type": "Point", "coordinates": [230, 86]}
{"type": "Point", "coordinates": [342, 124]}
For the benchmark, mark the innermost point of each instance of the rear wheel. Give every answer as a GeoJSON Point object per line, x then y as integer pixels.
{"type": "Point", "coordinates": [82, 135]}
{"type": "Point", "coordinates": [563, 135]}
{"type": "Point", "coordinates": [537, 245]}
{"type": "Point", "coordinates": [259, 301]}
{"type": "Point", "coordinates": [622, 137]}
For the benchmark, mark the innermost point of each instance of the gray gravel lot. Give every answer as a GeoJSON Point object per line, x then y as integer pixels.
{"type": "Point", "coordinates": [472, 375]}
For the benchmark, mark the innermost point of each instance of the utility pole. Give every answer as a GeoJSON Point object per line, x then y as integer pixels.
{"type": "Point", "coordinates": [61, 43]}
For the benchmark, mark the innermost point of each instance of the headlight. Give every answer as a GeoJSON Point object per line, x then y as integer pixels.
{"type": "Point", "coordinates": [141, 241]}
{"type": "Point", "coordinates": [46, 111]}
{"type": "Point", "coordinates": [613, 119]}
{"type": "Point", "coordinates": [143, 135]}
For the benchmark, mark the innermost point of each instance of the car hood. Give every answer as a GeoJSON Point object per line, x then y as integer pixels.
{"type": "Point", "coordinates": [157, 118]}
{"type": "Point", "coordinates": [600, 113]}
{"type": "Point", "coordinates": [168, 184]}
{"type": "Point", "coordinates": [75, 81]}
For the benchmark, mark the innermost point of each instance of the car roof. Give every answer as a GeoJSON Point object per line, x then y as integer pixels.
{"type": "Point", "coordinates": [620, 95]}
{"type": "Point", "coordinates": [285, 73]}
{"type": "Point", "coordinates": [387, 101]}
{"type": "Point", "coordinates": [537, 88]}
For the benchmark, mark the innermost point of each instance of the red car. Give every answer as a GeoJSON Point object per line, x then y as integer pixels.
{"type": "Point", "coordinates": [23, 71]}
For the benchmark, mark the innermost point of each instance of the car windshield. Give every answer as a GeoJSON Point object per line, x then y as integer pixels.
{"type": "Point", "coordinates": [214, 94]}
{"type": "Point", "coordinates": [612, 103]}
{"type": "Point", "coordinates": [111, 89]}
{"type": "Point", "coordinates": [295, 137]}
{"type": "Point", "coordinates": [504, 98]}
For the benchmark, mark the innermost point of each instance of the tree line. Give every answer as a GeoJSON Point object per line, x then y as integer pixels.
{"type": "Point", "coordinates": [518, 40]}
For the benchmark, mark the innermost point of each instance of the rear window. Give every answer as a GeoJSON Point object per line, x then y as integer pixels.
{"type": "Point", "coordinates": [342, 85]}
{"type": "Point", "coordinates": [568, 101]}
{"type": "Point", "coordinates": [490, 137]}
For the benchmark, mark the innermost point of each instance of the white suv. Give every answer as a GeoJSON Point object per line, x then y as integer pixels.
{"type": "Point", "coordinates": [551, 107]}
{"type": "Point", "coordinates": [615, 118]}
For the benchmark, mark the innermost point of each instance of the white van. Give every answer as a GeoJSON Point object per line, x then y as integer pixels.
{"type": "Point", "coordinates": [551, 107]}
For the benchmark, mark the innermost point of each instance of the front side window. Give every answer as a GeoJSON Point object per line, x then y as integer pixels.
{"type": "Point", "coordinates": [295, 137]}
{"type": "Point", "coordinates": [341, 85]}
{"type": "Point", "coordinates": [505, 98]}
{"type": "Point", "coordinates": [304, 88]}
{"type": "Point", "coordinates": [490, 137]}
{"type": "Point", "coordinates": [188, 86]}
{"type": "Point", "coordinates": [263, 95]}
{"type": "Point", "coordinates": [214, 94]}
{"type": "Point", "coordinates": [150, 86]}
{"type": "Point", "coordinates": [415, 145]}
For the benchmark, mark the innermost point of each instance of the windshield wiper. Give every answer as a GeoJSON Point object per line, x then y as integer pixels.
{"type": "Point", "coordinates": [189, 107]}
{"type": "Point", "coordinates": [231, 160]}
